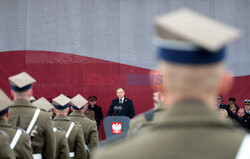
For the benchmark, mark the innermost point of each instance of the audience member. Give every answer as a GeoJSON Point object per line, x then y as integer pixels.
{"type": "Point", "coordinates": [224, 114]}
{"type": "Point", "coordinates": [233, 111]}
{"type": "Point", "coordinates": [247, 106]}
{"type": "Point", "coordinates": [220, 103]}
{"type": "Point", "coordinates": [241, 117]}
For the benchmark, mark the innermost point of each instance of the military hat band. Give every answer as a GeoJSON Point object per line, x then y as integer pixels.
{"type": "Point", "coordinates": [194, 57]}
{"type": "Point", "coordinates": [61, 107]}
{"type": "Point", "coordinates": [185, 52]}
{"type": "Point", "coordinates": [17, 89]}
{"type": "Point", "coordinates": [74, 107]}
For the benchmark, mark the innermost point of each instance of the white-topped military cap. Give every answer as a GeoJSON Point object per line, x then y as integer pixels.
{"type": "Point", "coordinates": [61, 102]}
{"type": "Point", "coordinates": [21, 82]}
{"type": "Point", "coordinates": [4, 103]}
{"type": "Point", "coordinates": [43, 103]}
{"type": "Point", "coordinates": [79, 101]}
{"type": "Point", "coordinates": [187, 37]}
{"type": "Point", "coordinates": [189, 26]}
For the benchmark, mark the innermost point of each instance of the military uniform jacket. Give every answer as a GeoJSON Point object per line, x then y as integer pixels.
{"type": "Point", "coordinates": [89, 129]}
{"type": "Point", "coordinates": [5, 151]}
{"type": "Point", "coordinates": [22, 148]}
{"type": "Point", "coordinates": [20, 115]}
{"type": "Point", "coordinates": [188, 130]}
{"type": "Point", "coordinates": [62, 147]}
{"type": "Point", "coordinates": [75, 139]}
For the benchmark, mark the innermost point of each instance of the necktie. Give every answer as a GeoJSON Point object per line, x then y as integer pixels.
{"type": "Point", "coordinates": [120, 101]}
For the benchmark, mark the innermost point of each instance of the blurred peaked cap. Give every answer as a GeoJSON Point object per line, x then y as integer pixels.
{"type": "Point", "coordinates": [79, 101]}
{"type": "Point", "coordinates": [61, 100]}
{"type": "Point", "coordinates": [43, 103]}
{"type": "Point", "coordinates": [92, 98]}
{"type": "Point", "coordinates": [4, 101]}
{"type": "Point", "coordinates": [21, 80]}
{"type": "Point", "coordinates": [188, 26]}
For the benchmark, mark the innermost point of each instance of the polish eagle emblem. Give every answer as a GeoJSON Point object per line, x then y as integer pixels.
{"type": "Point", "coordinates": [116, 127]}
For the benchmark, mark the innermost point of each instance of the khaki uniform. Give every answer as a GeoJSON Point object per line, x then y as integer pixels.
{"type": "Point", "coordinates": [75, 139]}
{"type": "Point", "coordinates": [89, 129]}
{"type": "Point", "coordinates": [187, 130]}
{"type": "Point", "coordinates": [90, 114]}
{"type": "Point", "coordinates": [5, 151]}
{"type": "Point", "coordinates": [22, 148]}
{"type": "Point", "coordinates": [141, 122]}
{"type": "Point", "coordinates": [62, 147]}
{"type": "Point", "coordinates": [44, 142]}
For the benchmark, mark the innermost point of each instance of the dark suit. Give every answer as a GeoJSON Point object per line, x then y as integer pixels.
{"type": "Point", "coordinates": [127, 108]}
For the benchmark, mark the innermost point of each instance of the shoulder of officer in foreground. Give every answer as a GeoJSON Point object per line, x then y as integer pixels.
{"type": "Point", "coordinates": [136, 120]}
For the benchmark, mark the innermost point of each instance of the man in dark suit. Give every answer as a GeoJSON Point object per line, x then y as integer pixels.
{"type": "Point", "coordinates": [121, 106]}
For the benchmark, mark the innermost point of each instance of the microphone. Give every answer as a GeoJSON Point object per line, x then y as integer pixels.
{"type": "Point", "coordinates": [116, 110]}
{"type": "Point", "coordinates": [120, 109]}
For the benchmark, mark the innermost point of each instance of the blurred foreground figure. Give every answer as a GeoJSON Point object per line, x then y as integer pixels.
{"type": "Point", "coordinates": [191, 51]}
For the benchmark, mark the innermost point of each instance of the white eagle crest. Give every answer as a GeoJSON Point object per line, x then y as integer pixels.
{"type": "Point", "coordinates": [116, 127]}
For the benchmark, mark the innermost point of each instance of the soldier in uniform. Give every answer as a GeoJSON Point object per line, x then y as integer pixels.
{"type": "Point", "coordinates": [62, 148]}
{"type": "Point", "coordinates": [19, 139]}
{"type": "Point", "coordinates": [73, 130]}
{"type": "Point", "coordinates": [146, 119]}
{"type": "Point", "coordinates": [89, 125]}
{"type": "Point", "coordinates": [97, 109]}
{"type": "Point", "coordinates": [24, 115]}
{"type": "Point", "coordinates": [191, 52]}
{"type": "Point", "coordinates": [5, 150]}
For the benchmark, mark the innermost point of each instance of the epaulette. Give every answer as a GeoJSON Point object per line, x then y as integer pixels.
{"type": "Point", "coordinates": [76, 122]}
{"type": "Point", "coordinates": [17, 128]}
{"type": "Point", "coordinates": [149, 115]}
{"type": "Point", "coordinates": [58, 128]}
{"type": "Point", "coordinates": [91, 119]}
{"type": "Point", "coordinates": [2, 132]}
{"type": "Point", "coordinates": [23, 131]}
